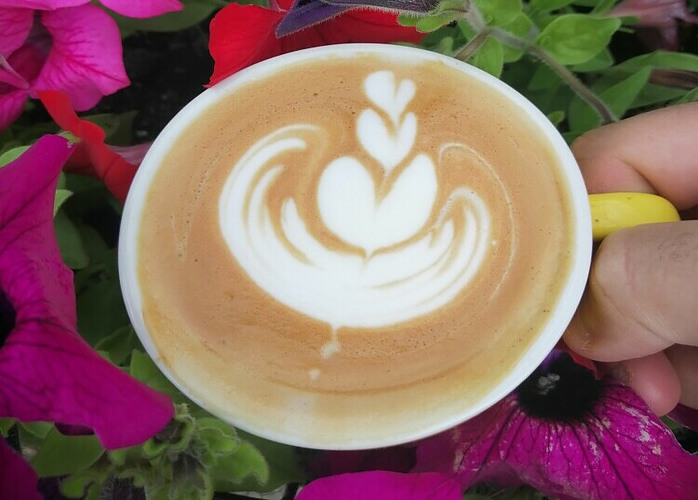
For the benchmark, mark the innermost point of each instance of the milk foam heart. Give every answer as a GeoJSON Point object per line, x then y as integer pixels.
{"type": "Point", "coordinates": [389, 143]}
{"type": "Point", "coordinates": [348, 204]}
{"type": "Point", "coordinates": [401, 267]}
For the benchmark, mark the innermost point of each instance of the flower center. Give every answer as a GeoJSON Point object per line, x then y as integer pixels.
{"type": "Point", "coordinates": [7, 317]}
{"type": "Point", "coordinates": [562, 390]}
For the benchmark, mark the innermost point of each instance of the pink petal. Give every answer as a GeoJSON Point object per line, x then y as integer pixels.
{"type": "Point", "coordinates": [132, 154]}
{"type": "Point", "coordinates": [14, 26]}
{"type": "Point", "coordinates": [661, 15]}
{"type": "Point", "coordinates": [21, 67]}
{"type": "Point", "coordinates": [380, 484]}
{"type": "Point", "coordinates": [686, 416]}
{"type": "Point", "coordinates": [622, 450]}
{"type": "Point", "coordinates": [11, 106]}
{"type": "Point", "coordinates": [330, 463]}
{"type": "Point", "coordinates": [43, 4]}
{"type": "Point", "coordinates": [86, 58]}
{"type": "Point", "coordinates": [142, 8]}
{"type": "Point", "coordinates": [47, 371]}
{"type": "Point", "coordinates": [17, 478]}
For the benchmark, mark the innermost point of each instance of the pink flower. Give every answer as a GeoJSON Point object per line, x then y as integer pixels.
{"type": "Point", "coordinates": [17, 478]}
{"type": "Point", "coordinates": [380, 484]}
{"type": "Point", "coordinates": [661, 15]}
{"type": "Point", "coordinates": [47, 371]}
{"type": "Point", "coordinates": [63, 45]}
{"type": "Point", "coordinates": [128, 8]}
{"type": "Point", "coordinates": [570, 436]}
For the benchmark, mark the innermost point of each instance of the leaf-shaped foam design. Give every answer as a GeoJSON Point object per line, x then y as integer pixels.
{"type": "Point", "coordinates": [389, 149]}
{"type": "Point", "coordinates": [389, 143]}
{"type": "Point", "coordinates": [349, 207]}
{"type": "Point", "coordinates": [381, 91]}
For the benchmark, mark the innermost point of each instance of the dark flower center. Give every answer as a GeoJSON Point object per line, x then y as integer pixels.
{"type": "Point", "coordinates": [7, 317]}
{"type": "Point", "coordinates": [560, 390]}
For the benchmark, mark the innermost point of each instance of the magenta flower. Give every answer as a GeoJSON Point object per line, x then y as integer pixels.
{"type": "Point", "coordinates": [47, 371]}
{"type": "Point", "coordinates": [381, 484]}
{"type": "Point", "coordinates": [660, 15]}
{"type": "Point", "coordinates": [570, 436]}
{"type": "Point", "coordinates": [64, 45]}
{"type": "Point", "coordinates": [17, 478]}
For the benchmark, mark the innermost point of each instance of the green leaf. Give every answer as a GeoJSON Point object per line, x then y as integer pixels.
{"type": "Point", "coordinates": [433, 23]}
{"type": "Point", "coordinates": [219, 436]}
{"type": "Point", "coordinates": [38, 429]}
{"type": "Point", "coordinates": [619, 98]}
{"type": "Point", "coordinates": [5, 425]}
{"type": "Point", "coordinates": [74, 486]}
{"type": "Point", "coordinates": [499, 12]}
{"type": "Point", "coordinates": [117, 127]}
{"type": "Point", "coordinates": [543, 78]}
{"type": "Point", "coordinates": [548, 5]}
{"type": "Point", "coordinates": [489, 57]}
{"type": "Point", "coordinates": [69, 242]}
{"type": "Point", "coordinates": [520, 27]}
{"type": "Point", "coordinates": [653, 95]}
{"type": "Point", "coordinates": [282, 462]}
{"type": "Point", "coordinates": [11, 155]}
{"type": "Point", "coordinates": [691, 96]}
{"type": "Point", "coordinates": [245, 463]}
{"type": "Point", "coordinates": [61, 196]}
{"type": "Point", "coordinates": [576, 38]}
{"type": "Point", "coordinates": [407, 20]}
{"type": "Point", "coordinates": [101, 309]}
{"type": "Point", "coordinates": [194, 12]}
{"type": "Point", "coordinates": [145, 370]}
{"type": "Point", "coordinates": [556, 117]}
{"type": "Point", "coordinates": [659, 59]}
{"type": "Point", "coordinates": [602, 7]}
{"type": "Point", "coordinates": [600, 61]}
{"type": "Point", "coordinates": [120, 344]}
{"type": "Point", "coordinates": [60, 454]}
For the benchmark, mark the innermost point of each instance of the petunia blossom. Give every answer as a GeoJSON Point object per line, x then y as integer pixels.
{"type": "Point", "coordinates": [115, 167]}
{"type": "Point", "coordinates": [47, 371]}
{"type": "Point", "coordinates": [128, 8]}
{"type": "Point", "coordinates": [662, 16]}
{"type": "Point", "coordinates": [570, 436]}
{"type": "Point", "coordinates": [75, 49]}
{"type": "Point", "coordinates": [381, 484]}
{"type": "Point", "coordinates": [64, 45]}
{"type": "Point", "coordinates": [242, 35]}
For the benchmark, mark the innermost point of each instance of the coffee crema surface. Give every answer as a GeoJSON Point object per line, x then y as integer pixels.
{"type": "Point", "coordinates": [352, 246]}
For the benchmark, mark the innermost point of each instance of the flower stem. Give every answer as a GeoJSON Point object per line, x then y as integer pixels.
{"type": "Point", "coordinates": [474, 17]}
{"type": "Point", "coordinates": [473, 45]}
{"type": "Point", "coordinates": [588, 95]}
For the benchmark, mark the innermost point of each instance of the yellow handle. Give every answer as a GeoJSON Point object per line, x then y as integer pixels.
{"type": "Point", "coordinates": [613, 211]}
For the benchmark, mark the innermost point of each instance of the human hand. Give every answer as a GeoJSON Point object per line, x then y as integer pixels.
{"type": "Point", "coordinates": [639, 313]}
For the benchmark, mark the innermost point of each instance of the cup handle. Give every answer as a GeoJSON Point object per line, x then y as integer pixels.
{"type": "Point", "coordinates": [613, 211]}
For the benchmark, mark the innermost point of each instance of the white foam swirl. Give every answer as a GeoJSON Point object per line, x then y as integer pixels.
{"type": "Point", "coordinates": [406, 269]}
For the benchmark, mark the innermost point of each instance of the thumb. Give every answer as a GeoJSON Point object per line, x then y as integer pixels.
{"type": "Point", "coordinates": [642, 294]}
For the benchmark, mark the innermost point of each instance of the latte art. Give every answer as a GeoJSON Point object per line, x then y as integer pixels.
{"type": "Point", "coordinates": [402, 256]}
{"type": "Point", "coordinates": [325, 248]}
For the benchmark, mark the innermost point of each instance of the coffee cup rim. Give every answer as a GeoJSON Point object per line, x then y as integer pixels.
{"type": "Point", "coordinates": [550, 335]}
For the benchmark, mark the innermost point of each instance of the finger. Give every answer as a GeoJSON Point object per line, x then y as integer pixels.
{"type": "Point", "coordinates": [641, 295]}
{"type": "Point", "coordinates": [653, 378]}
{"type": "Point", "coordinates": [685, 361]}
{"type": "Point", "coordinates": [655, 152]}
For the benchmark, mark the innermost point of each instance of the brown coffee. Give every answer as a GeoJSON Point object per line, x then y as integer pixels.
{"type": "Point", "coordinates": [351, 247]}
